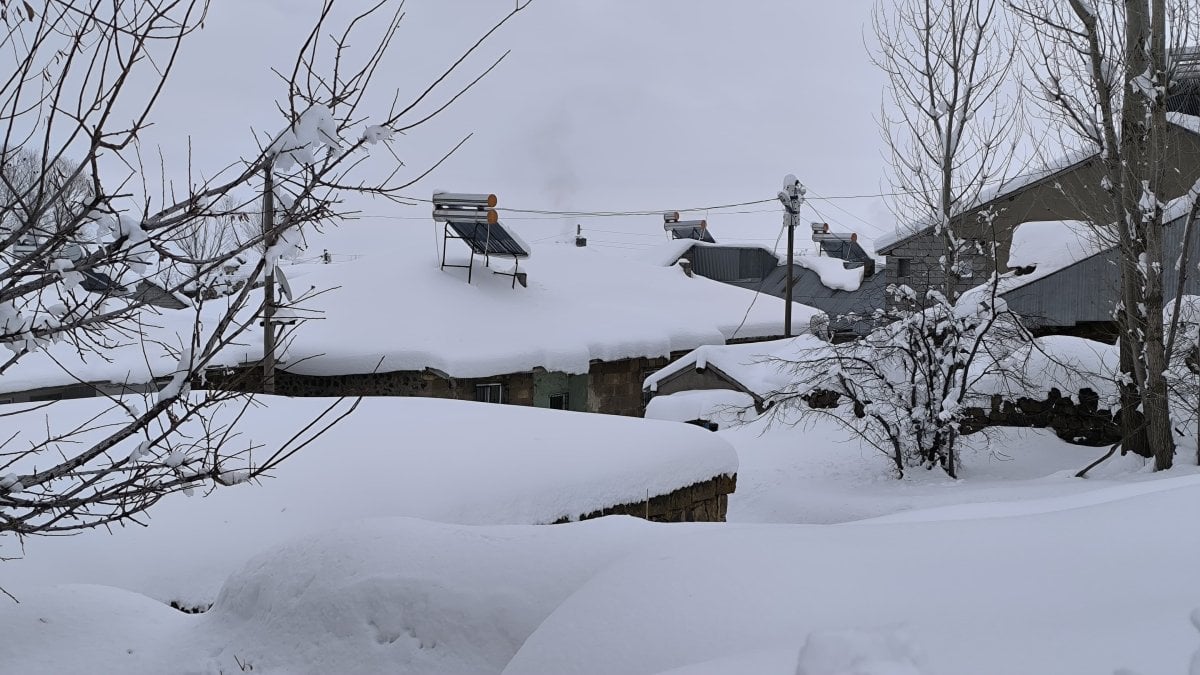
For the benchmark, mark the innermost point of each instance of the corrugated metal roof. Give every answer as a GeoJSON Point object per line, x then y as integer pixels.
{"type": "Point", "coordinates": [1088, 290]}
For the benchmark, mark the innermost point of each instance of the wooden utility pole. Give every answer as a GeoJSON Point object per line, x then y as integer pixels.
{"type": "Point", "coordinates": [268, 311]}
{"type": "Point", "coordinates": [792, 197]}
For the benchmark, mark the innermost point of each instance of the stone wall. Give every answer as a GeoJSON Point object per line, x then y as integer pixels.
{"type": "Point", "coordinates": [615, 387]}
{"type": "Point", "coordinates": [705, 502]}
{"type": "Point", "coordinates": [518, 387]}
{"type": "Point", "coordinates": [1081, 423]}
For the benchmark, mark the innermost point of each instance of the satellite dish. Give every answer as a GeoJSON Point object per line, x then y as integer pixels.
{"type": "Point", "coordinates": [284, 286]}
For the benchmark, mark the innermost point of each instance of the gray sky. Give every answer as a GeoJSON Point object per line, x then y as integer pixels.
{"type": "Point", "coordinates": [603, 105]}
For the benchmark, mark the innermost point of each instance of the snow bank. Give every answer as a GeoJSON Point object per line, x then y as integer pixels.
{"type": "Point", "coordinates": [581, 305]}
{"type": "Point", "coordinates": [405, 596]}
{"type": "Point", "coordinates": [833, 272]}
{"type": "Point", "coordinates": [384, 595]}
{"type": "Point", "coordinates": [1040, 582]}
{"type": "Point", "coordinates": [448, 461]}
{"type": "Point", "coordinates": [765, 662]}
{"type": "Point", "coordinates": [723, 406]}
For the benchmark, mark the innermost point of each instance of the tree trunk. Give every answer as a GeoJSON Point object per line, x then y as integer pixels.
{"type": "Point", "coordinates": [1154, 395]}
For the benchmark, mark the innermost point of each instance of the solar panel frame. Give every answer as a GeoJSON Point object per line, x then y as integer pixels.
{"type": "Point", "coordinates": [690, 231]}
{"type": "Point", "coordinates": [490, 240]}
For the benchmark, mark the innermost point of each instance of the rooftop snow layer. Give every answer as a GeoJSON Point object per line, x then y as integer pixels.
{"type": "Point", "coordinates": [833, 272]}
{"type": "Point", "coordinates": [761, 367]}
{"type": "Point", "coordinates": [396, 310]}
{"type": "Point", "coordinates": [122, 357]}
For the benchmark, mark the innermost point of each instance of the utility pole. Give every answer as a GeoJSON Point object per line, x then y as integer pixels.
{"type": "Point", "coordinates": [792, 197]}
{"type": "Point", "coordinates": [268, 312]}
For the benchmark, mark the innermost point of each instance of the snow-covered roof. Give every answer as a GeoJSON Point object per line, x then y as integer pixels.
{"type": "Point", "coordinates": [1048, 246]}
{"type": "Point", "coordinates": [759, 367]}
{"type": "Point", "coordinates": [124, 357]}
{"type": "Point", "coordinates": [1051, 246]}
{"type": "Point", "coordinates": [669, 253]}
{"type": "Point", "coordinates": [833, 272]}
{"type": "Point", "coordinates": [395, 310]}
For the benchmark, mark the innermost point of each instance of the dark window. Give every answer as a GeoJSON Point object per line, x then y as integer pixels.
{"type": "Point", "coordinates": [489, 393]}
{"type": "Point", "coordinates": [560, 401]}
{"type": "Point", "coordinates": [903, 267]}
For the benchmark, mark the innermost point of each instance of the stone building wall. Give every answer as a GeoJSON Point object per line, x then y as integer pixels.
{"type": "Point", "coordinates": [705, 502]}
{"type": "Point", "coordinates": [1079, 421]}
{"type": "Point", "coordinates": [615, 387]}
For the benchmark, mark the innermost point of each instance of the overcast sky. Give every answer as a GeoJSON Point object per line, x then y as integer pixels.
{"type": "Point", "coordinates": [602, 105]}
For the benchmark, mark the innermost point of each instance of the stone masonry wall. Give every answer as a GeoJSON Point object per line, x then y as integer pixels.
{"type": "Point", "coordinates": [705, 502]}
{"type": "Point", "coordinates": [1081, 423]}
{"type": "Point", "coordinates": [518, 387]}
{"type": "Point", "coordinates": [615, 387]}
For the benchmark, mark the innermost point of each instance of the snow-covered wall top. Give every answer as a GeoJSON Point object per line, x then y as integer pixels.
{"type": "Point", "coordinates": [436, 459]}
{"type": "Point", "coordinates": [396, 311]}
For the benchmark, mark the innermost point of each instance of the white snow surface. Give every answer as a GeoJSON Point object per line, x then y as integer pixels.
{"type": "Point", "coordinates": [581, 305]}
{"type": "Point", "coordinates": [1051, 245]}
{"type": "Point", "coordinates": [1061, 362]}
{"type": "Point", "coordinates": [371, 596]}
{"type": "Point", "coordinates": [724, 406]}
{"type": "Point", "coordinates": [1014, 543]}
{"type": "Point", "coordinates": [833, 272]}
{"type": "Point", "coordinates": [1025, 594]}
{"type": "Point", "coordinates": [449, 461]}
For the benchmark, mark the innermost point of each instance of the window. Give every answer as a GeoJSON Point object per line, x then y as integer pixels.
{"type": "Point", "coordinates": [903, 267]}
{"type": "Point", "coordinates": [560, 401]}
{"type": "Point", "coordinates": [493, 392]}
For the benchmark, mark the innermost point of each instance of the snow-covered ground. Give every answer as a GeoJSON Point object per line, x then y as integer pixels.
{"type": "Point", "coordinates": [828, 565]}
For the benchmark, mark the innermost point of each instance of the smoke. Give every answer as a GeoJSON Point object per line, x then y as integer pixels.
{"type": "Point", "coordinates": [550, 148]}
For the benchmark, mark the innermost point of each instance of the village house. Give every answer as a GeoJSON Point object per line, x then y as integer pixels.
{"type": "Point", "coordinates": [1066, 277]}
{"type": "Point", "coordinates": [1067, 189]}
{"type": "Point", "coordinates": [578, 330]}
{"type": "Point", "coordinates": [841, 278]}
{"type": "Point", "coordinates": [582, 334]}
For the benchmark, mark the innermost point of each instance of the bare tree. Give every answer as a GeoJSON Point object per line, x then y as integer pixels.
{"type": "Point", "coordinates": [951, 134]}
{"type": "Point", "coordinates": [1104, 69]}
{"type": "Point", "coordinates": [70, 111]}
